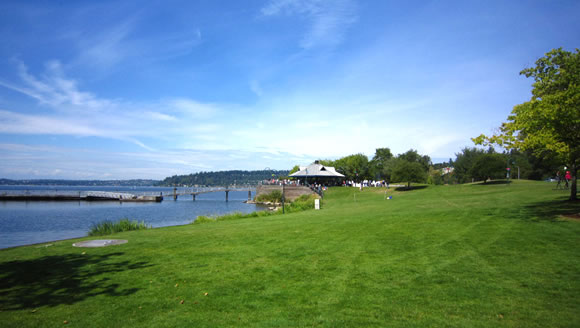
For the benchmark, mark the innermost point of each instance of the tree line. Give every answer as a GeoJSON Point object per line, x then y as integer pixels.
{"type": "Point", "coordinates": [223, 178]}
{"type": "Point", "coordinates": [470, 164]}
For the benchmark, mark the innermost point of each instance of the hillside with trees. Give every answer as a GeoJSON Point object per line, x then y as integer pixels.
{"type": "Point", "coordinates": [223, 178]}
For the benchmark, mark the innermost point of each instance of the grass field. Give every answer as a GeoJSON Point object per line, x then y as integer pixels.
{"type": "Point", "coordinates": [492, 255]}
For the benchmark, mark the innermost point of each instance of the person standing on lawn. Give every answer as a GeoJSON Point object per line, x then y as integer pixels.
{"type": "Point", "coordinates": [567, 177]}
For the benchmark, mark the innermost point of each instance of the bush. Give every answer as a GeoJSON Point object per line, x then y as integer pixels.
{"type": "Point", "coordinates": [274, 197]}
{"type": "Point", "coordinates": [109, 227]}
{"type": "Point", "coordinates": [302, 203]}
{"type": "Point", "coordinates": [232, 216]}
{"type": "Point", "coordinates": [434, 177]}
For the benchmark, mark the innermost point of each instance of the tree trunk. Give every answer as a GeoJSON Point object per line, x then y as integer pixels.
{"type": "Point", "coordinates": [573, 186]}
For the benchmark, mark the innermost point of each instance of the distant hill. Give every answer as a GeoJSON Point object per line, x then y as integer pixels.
{"type": "Point", "coordinates": [223, 178]}
{"type": "Point", "coordinates": [51, 182]}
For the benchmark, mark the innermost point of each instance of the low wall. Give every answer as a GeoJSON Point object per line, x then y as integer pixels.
{"type": "Point", "coordinates": [290, 192]}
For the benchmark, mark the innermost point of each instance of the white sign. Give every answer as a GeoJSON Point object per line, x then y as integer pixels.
{"type": "Point", "coordinates": [317, 204]}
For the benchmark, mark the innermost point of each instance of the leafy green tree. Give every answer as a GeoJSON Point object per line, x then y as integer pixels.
{"type": "Point", "coordinates": [380, 162]}
{"type": "Point", "coordinates": [434, 176]}
{"type": "Point", "coordinates": [354, 167]}
{"type": "Point", "coordinates": [529, 166]}
{"type": "Point", "coordinates": [295, 169]}
{"type": "Point", "coordinates": [464, 162]}
{"type": "Point", "coordinates": [406, 171]}
{"type": "Point", "coordinates": [327, 162]}
{"type": "Point", "coordinates": [535, 167]}
{"type": "Point", "coordinates": [413, 156]}
{"type": "Point", "coordinates": [549, 123]}
{"type": "Point", "coordinates": [490, 165]}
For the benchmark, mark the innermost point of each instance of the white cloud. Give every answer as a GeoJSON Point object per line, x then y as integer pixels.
{"type": "Point", "coordinates": [118, 44]}
{"type": "Point", "coordinates": [329, 19]}
{"type": "Point", "coordinates": [35, 124]}
{"type": "Point", "coordinates": [256, 88]}
{"type": "Point", "coordinates": [160, 116]}
{"type": "Point", "coordinates": [54, 89]}
{"type": "Point", "coordinates": [193, 108]}
{"type": "Point", "coordinates": [108, 47]}
{"type": "Point", "coordinates": [69, 111]}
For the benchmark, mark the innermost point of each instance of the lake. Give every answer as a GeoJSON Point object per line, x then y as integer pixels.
{"type": "Point", "coordinates": [23, 223]}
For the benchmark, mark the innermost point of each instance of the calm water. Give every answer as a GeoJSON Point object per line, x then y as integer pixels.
{"type": "Point", "coordinates": [23, 223]}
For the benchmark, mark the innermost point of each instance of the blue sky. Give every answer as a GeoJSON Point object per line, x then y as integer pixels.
{"type": "Point", "coordinates": [149, 89]}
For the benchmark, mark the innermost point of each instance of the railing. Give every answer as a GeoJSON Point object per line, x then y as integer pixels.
{"type": "Point", "coordinates": [118, 195]}
{"type": "Point", "coordinates": [202, 190]}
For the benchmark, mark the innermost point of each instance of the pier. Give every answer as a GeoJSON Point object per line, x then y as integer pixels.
{"type": "Point", "coordinates": [68, 195]}
{"type": "Point", "coordinates": [194, 192]}
{"type": "Point", "coordinates": [55, 195]}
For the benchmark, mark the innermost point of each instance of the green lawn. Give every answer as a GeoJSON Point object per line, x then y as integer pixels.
{"type": "Point", "coordinates": [461, 256]}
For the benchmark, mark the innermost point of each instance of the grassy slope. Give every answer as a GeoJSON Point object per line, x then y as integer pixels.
{"type": "Point", "coordinates": [465, 256]}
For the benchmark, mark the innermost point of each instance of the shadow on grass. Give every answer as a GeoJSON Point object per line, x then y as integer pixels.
{"type": "Point", "coordinates": [493, 182]}
{"type": "Point", "coordinates": [62, 279]}
{"type": "Point", "coordinates": [410, 188]}
{"type": "Point", "coordinates": [552, 210]}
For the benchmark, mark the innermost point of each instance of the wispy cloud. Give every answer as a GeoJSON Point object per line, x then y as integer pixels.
{"type": "Point", "coordinates": [121, 44]}
{"type": "Point", "coordinates": [160, 116]}
{"type": "Point", "coordinates": [256, 88]}
{"type": "Point", "coordinates": [16, 123]}
{"type": "Point", "coordinates": [67, 110]}
{"type": "Point", "coordinates": [53, 88]}
{"type": "Point", "coordinates": [193, 108]}
{"type": "Point", "coordinates": [108, 47]}
{"type": "Point", "coordinates": [328, 19]}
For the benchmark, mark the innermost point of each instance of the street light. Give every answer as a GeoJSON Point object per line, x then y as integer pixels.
{"type": "Point", "coordinates": [514, 163]}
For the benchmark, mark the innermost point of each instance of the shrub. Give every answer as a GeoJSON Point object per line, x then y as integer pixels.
{"type": "Point", "coordinates": [302, 203]}
{"type": "Point", "coordinates": [109, 227]}
{"type": "Point", "coordinates": [204, 219]}
{"type": "Point", "coordinates": [274, 197]}
{"type": "Point", "coordinates": [232, 216]}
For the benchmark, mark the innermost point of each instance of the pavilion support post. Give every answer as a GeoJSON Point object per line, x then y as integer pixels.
{"type": "Point", "coordinates": [193, 197]}
{"type": "Point", "coordinates": [249, 195]}
{"type": "Point", "coordinates": [227, 192]}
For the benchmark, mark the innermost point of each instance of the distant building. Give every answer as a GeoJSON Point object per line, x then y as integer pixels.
{"type": "Point", "coordinates": [447, 170]}
{"type": "Point", "coordinates": [318, 173]}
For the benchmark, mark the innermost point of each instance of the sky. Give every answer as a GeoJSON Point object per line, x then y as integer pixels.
{"type": "Point", "coordinates": [150, 89]}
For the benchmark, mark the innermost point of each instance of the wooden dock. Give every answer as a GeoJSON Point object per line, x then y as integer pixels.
{"type": "Point", "coordinates": [194, 192]}
{"type": "Point", "coordinates": [46, 195]}
{"type": "Point", "coordinates": [67, 195]}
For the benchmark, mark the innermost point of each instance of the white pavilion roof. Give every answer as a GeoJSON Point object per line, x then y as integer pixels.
{"type": "Point", "coordinates": [317, 170]}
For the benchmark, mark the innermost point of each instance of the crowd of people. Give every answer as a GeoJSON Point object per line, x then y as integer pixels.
{"type": "Point", "coordinates": [366, 183]}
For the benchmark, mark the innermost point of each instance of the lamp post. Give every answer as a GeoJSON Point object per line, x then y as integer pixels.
{"type": "Point", "coordinates": [283, 196]}
{"type": "Point", "coordinates": [514, 163]}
